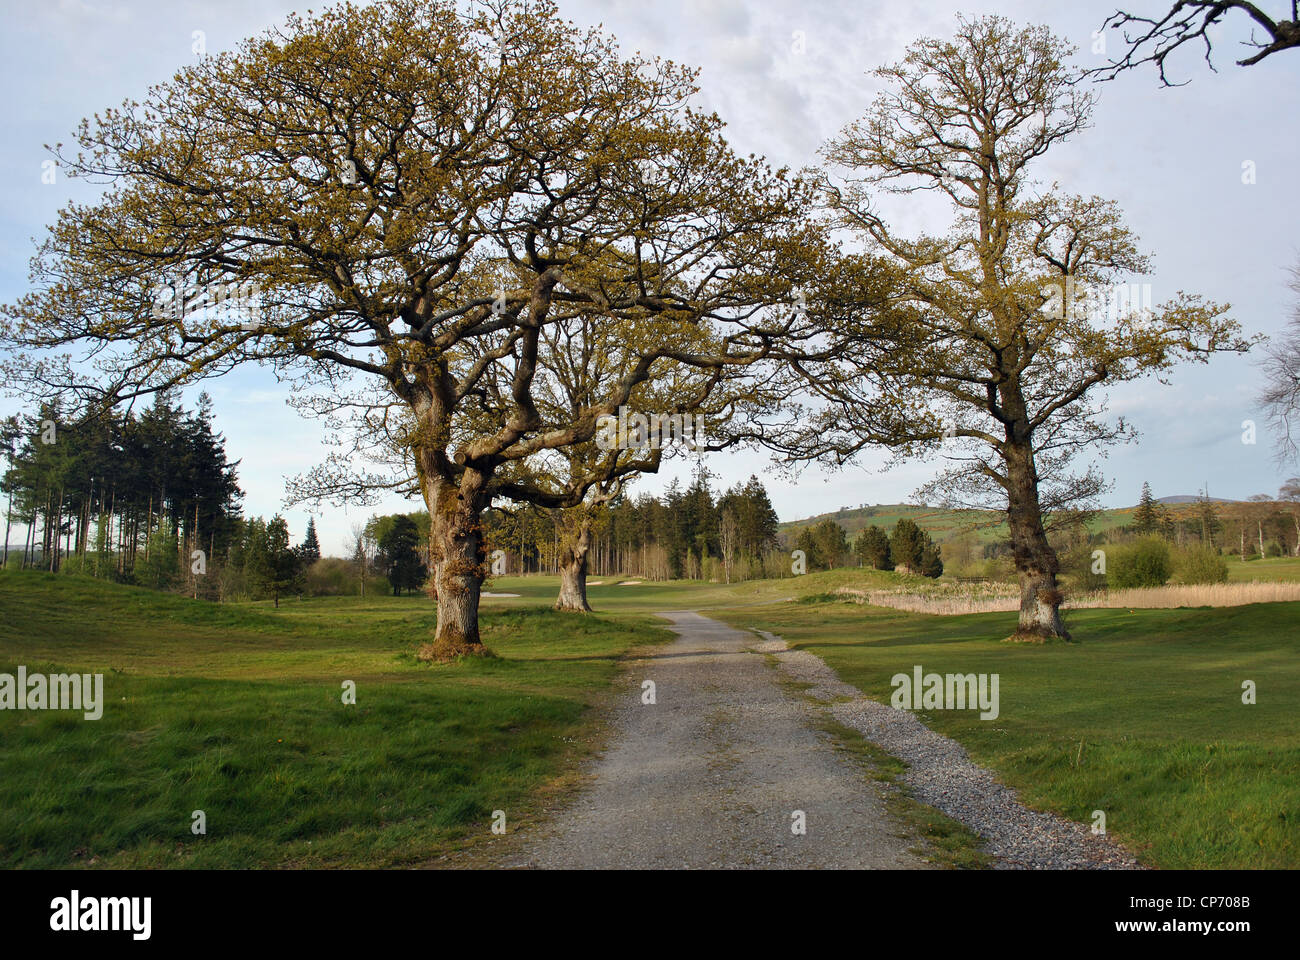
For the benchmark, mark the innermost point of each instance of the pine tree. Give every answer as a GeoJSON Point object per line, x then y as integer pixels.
{"type": "Point", "coordinates": [872, 548]}
{"type": "Point", "coordinates": [309, 550]}
{"type": "Point", "coordinates": [906, 544]}
{"type": "Point", "coordinates": [281, 560]}
{"type": "Point", "coordinates": [832, 544]}
{"type": "Point", "coordinates": [931, 559]}
{"type": "Point", "coordinates": [911, 547]}
{"type": "Point", "coordinates": [1208, 514]}
{"type": "Point", "coordinates": [1147, 518]}
{"type": "Point", "coordinates": [399, 549]}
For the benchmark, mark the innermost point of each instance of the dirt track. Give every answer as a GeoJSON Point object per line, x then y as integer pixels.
{"type": "Point", "coordinates": [710, 775]}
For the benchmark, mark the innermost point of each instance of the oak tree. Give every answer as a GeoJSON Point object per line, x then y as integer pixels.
{"type": "Point", "coordinates": [403, 197]}
{"type": "Point", "coordinates": [989, 342]}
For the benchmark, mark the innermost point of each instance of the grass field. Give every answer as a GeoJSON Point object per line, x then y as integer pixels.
{"type": "Point", "coordinates": [1266, 570]}
{"type": "Point", "coordinates": [237, 711]}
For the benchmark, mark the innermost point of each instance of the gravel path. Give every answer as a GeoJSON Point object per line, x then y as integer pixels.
{"type": "Point", "coordinates": [711, 773]}
{"type": "Point", "coordinates": [942, 775]}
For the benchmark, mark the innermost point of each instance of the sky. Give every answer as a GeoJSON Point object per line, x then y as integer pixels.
{"type": "Point", "coordinates": [786, 77]}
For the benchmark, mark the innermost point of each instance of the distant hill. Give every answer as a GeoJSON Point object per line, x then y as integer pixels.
{"type": "Point", "coordinates": [942, 524]}
{"type": "Point", "coordinates": [939, 523]}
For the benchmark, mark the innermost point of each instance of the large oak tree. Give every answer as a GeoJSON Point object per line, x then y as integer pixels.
{"type": "Point", "coordinates": [990, 341]}
{"type": "Point", "coordinates": [413, 193]}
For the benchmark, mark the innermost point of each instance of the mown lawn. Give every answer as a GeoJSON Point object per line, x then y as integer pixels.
{"type": "Point", "coordinates": [236, 710]}
{"type": "Point", "coordinates": [1143, 719]}
{"type": "Point", "coordinates": [1266, 569]}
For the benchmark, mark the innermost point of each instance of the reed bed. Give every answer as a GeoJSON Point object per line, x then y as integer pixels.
{"type": "Point", "coordinates": [955, 600]}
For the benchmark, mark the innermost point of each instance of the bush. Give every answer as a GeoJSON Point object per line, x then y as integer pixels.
{"type": "Point", "coordinates": [1145, 563]}
{"type": "Point", "coordinates": [999, 569]}
{"type": "Point", "coordinates": [331, 577]}
{"type": "Point", "coordinates": [77, 566]}
{"type": "Point", "coordinates": [1274, 550]}
{"type": "Point", "coordinates": [1200, 565]}
{"type": "Point", "coordinates": [161, 568]}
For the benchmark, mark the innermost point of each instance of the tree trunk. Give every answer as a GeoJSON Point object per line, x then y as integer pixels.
{"type": "Point", "coordinates": [456, 551]}
{"type": "Point", "coordinates": [9, 519]}
{"type": "Point", "coordinates": [573, 569]}
{"type": "Point", "coordinates": [1036, 561]}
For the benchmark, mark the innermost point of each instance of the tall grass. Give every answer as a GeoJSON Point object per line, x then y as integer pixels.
{"type": "Point", "coordinates": [1192, 595]}
{"type": "Point", "coordinates": [956, 600]}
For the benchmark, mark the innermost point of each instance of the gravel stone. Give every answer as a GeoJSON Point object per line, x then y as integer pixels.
{"type": "Point", "coordinates": [709, 775]}
{"type": "Point", "coordinates": [941, 774]}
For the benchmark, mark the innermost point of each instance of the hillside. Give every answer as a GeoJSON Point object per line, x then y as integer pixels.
{"type": "Point", "coordinates": [942, 524]}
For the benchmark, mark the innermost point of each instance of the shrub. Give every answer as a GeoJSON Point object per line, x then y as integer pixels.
{"type": "Point", "coordinates": [77, 566]}
{"type": "Point", "coordinates": [331, 577]}
{"type": "Point", "coordinates": [1144, 563]}
{"type": "Point", "coordinates": [162, 565]}
{"type": "Point", "coordinates": [999, 569]}
{"type": "Point", "coordinates": [1200, 565]}
{"type": "Point", "coordinates": [1274, 550]}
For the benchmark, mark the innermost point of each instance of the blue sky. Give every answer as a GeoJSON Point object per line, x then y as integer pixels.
{"type": "Point", "coordinates": [786, 76]}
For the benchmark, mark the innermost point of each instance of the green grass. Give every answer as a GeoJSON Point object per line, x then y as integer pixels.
{"type": "Point", "coordinates": [236, 710]}
{"type": "Point", "coordinates": [1143, 719]}
{"type": "Point", "coordinates": [1269, 569]}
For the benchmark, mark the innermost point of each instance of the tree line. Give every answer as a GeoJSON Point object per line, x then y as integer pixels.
{"type": "Point", "coordinates": [102, 489]}
{"type": "Point", "coordinates": [690, 532]}
{"type": "Point", "coordinates": [1261, 526]}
